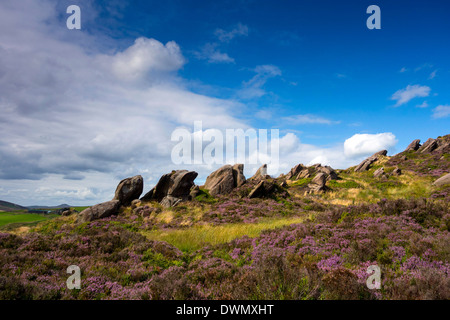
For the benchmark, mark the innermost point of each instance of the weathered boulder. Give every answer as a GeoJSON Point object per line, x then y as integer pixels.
{"type": "Point", "coordinates": [261, 173]}
{"type": "Point", "coordinates": [413, 146]}
{"type": "Point", "coordinates": [303, 174]}
{"type": "Point", "coordinates": [176, 184]}
{"type": "Point", "coordinates": [379, 172]}
{"type": "Point", "coordinates": [365, 165]}
{"type": "Point", "coordinates": [318, 183]}
{"type": "Point", "coordinates": [263, 189]}
{"type": "Point", "coordinates": [429, 146]}
{"type": "Point", "coordinates": [145, 211]}
{"type": "Point", "coordinates": [129, 189]}
{"type": "Point", "coordinates": [225, 179]}
{"type": "Point", "coordinates": [329, 171]}
{"type": "Point", "coordinates": [238, 174]}
{"type": "Point", "coordinates": [295, 172]}
{"type": "Point", "coordinates": [99, 211]}
{"type": "Point", "coordinates": [195, 191]}
{"type": "Point", "coordinates": [170, 201]}
{"type": "Point", "coordinates": [442, 181]}
{"type": "Point", "coordinates": [397, 172]}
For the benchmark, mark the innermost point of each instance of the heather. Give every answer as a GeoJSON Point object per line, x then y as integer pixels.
{"type": "Point", "coordinates": [324, 257]}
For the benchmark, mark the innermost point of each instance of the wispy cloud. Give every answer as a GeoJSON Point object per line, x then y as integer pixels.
{"type": "Point", "coordinates": [210, 53]}
{"type": "Point", "coordinates": [402, 70]}
{"type": "Point", "coordinates": [308, 119]}
{"type": "Point", "coordinates": [253, 88]}
{"type": "Point", "coordinates": [441, 112]}
{"type": "Point", "coordinates": [226, 36]}
{"type": "Point", "coordinates": [432, 75]}
{"type": "Point", "coordinates": [410, 92]}
{"type": "Point", "coordinates": [423, 105]}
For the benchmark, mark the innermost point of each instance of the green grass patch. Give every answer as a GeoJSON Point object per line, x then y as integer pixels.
{"type": "Point", "coordinates": [301, 182]}
{"type": "Point", "coordinates": [194, 238]}
{"type": "Point", "coordinates": [20, 218]}
{"type": "Point", "coordinates": [345, 184]}
{"type": "Point", "coordinates": [204, 196]}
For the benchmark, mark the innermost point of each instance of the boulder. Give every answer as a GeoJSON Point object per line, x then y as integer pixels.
{"type": "Point", "coordinates": [413, 146]}
{"type": "Point", "coordinates": [177, 184]}
{"type": "Point", "coordinates": [263, 189]}
{"type": "Point", "coordinates": [303, 174]}
{"type": "Point", "coordinates": [129, 189]}
{"type": "Point", "coordinates": [295, 172]}
{"type": "Point", "coordinates": [429, 146]}
{"type": "Point", "coordinates": [365, 165]}
{"type": "Point", "coordinates": [238, 174]}
{"type": "Point", "coordinates": [379, 172]}
{"type": "Point", "coordinates": [397, 172]}
{"type": "Point", "coordinates": [225, 179]}
{"type": "Point", "coordinates": [170, 201]}
{"type": "Point", "coordinates": [195, 191]}
{"type": "Point", "coordinates": [442, 181]}
{"type": "Point", "coordinates": [329, 171]}
{"type": "Point", "coordinates": [261, 173]}
{"type": "Point", "coordinates": [318, 183]}
{"type": "Point", "coordinates": [99, 211]}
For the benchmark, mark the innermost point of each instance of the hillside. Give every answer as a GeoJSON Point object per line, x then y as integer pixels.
{"type": "Point", "coordinates": [8, 206]}
{"type": "Point", "coordinates": [308, 234]}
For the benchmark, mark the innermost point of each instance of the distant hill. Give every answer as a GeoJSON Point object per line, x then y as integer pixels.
{"type": "Point", "coordinates": [8, 206]}
{"type": "Point", "coordinates": [64, 205]}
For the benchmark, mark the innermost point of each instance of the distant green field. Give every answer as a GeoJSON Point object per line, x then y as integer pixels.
{"type": "Point", "coordinates": [21, 218]}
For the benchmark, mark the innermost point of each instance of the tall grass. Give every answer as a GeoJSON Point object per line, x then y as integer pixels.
{"type": "Point", "coordinates": [193, 238]}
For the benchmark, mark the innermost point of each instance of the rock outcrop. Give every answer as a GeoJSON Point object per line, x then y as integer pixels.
{"type": "Point", "coordinates": [129, 189]}
{"type": "Point", "coordinates": [413, 146]}
{"type": "Point", "coordinates": [99, 211]}
{"type": "Point", "coordinates": [176, 184]}
{"type": "Point", "coordinates": [379, 172]}
{"type": "Point", "coordinates": [442, 181]}
{"type": "Point", "coordinates": [261, 173]}
{"type": "Point", "coordinates": [365, 165]}
{"type": "Point", "coordinates": [225, 179]}
{"type": "Point", "coordinates": [318, 183]}
{"type": "Point", "coordinates": [295, 172]}
{"type": "Point", "coordinates": [429, 146]}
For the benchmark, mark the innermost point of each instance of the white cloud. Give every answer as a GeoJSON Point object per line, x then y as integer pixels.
{"type": "Point", "coordinates": [308, 119]}
{"type": "Point", "coordinates": [366, 144]}
{"type": "Point", "coordinates": [253, 88]}
{"type": "Point", "coordinates": [441, 112]}
{"type": "Point", "coordinates": [210, 53]}
{"type": "Point", "coordinates": [226, 36]}
{"type": "Point", "coordinates": [432, 75]}
{"type": "Point", "coordinates": [410, 92]}
{"type": "Point", "coordinates": [402, 70]}
{"type": "Point", "coordinates": [146, 56]}
{"type": "Point", "coordinates": [423, 105]}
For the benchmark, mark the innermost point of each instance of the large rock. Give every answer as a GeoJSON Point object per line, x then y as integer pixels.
{"type": "Point", "coordinates": [225, 179]}
{"type": "Point", "coordinates": [261, 173]}
{"type": "Point", "coordinates": [295, 172]}
{"type": "Point", "coordinates": [318, 183]}
{"type": "Point", "coordinates": [442, 181]}
{"type": "Point", "coordinates": [379, 172]}
{"type": "Point", "coordinates": [129, 189]}
{"type": "Point", "coordinates": [429, 146]}
{"type": "Point", "coordinates": [365, 165]}
{"type": "Point", "coordinates": [99, 211]}
{"type": "Point", "coordinates": [413, 146]}
{"type": "Point", "coordinates": [263, 189]}
{"type": "Point", "coordinates": [176, 184]}
{"type": "Point", "coordinates": [329, 171]}
{"type": "Point", "coordinates": [238, 174]}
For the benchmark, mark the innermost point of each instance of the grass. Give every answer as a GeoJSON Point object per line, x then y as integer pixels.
{"type": "Point", "coordinates": [20, 218]}
{"type": "Point", "coordinates": [196, 237]}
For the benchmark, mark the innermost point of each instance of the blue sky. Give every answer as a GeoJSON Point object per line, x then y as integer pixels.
{"type": "Point", "coordinates": [83, 109]}
{"type": "Point", "coordinates": [332, 66]}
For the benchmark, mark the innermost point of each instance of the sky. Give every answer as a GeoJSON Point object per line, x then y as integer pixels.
{"type": "Point", "coordinates": [82, 109]}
